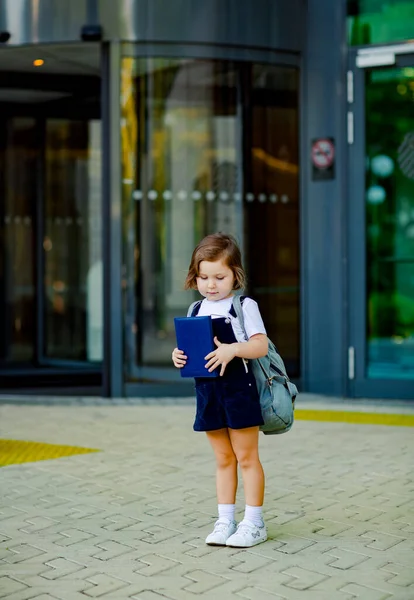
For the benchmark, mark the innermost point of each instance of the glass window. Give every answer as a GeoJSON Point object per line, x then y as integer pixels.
{"type": "Point", "coordinates": [207, 146]}
{"type": "Point", "coordinates": [390, 222]}
{"type": "Point", "coordinates": [379, 21]}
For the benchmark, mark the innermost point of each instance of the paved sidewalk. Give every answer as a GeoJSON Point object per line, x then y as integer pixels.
{"type": "Point", "coordinates": [130, 520]}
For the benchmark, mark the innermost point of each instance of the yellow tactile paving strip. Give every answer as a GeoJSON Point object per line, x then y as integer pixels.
{"type": "Point", "coordinates": [361, 418]}
{"type": "Point", "coordinates": [15, 452]}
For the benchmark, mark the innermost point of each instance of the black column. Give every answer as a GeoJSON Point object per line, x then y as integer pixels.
{"type": "Point", "coordinates": [323, 193]}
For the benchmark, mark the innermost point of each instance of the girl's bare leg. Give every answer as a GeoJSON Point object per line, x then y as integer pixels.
{"type": "Point", "coordinates": [226, 466]}
{"type": "Point", "coordinates": [245, 444]}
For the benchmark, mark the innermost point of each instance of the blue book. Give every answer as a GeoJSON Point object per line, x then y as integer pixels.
{"type": "Point", "coordinates": [195, 337]}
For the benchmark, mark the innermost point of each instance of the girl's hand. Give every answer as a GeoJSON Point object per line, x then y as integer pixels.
{"type": "Point", "coordinates": [179, 359]}
{"type": "Point", "coordinates": [222, 356]}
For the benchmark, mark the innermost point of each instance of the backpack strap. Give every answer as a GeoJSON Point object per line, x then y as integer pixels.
{"type": "Point", "coordinates": [236, 309]}
{"type": "Point", "coordinates": [194, 308]}
{"type": "Point", "coordinates": [237, 306]}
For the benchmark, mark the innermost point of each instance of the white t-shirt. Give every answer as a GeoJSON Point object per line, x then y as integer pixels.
{"type": "Point", "coordinates": [253, 322]}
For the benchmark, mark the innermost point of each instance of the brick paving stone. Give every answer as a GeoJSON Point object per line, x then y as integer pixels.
{"type": "Point", "coordinates": [148, 595]}
{"type": "Point", "coordinates": [353, 590]}
{"type": "Point", "coordinates": [303, 579]}
{"type": "Point", "coordinates": [45, 597]}
{"type": "Point", "coordinates": [381, 541]}
{"type": "Point", "coordinates": [38, 523]}
{"type": "Point", "coordinates": [292, 544]}
{"type": "Point", "coordinates": [71, 537]}
{"type": "Point", "coordinates": [8, 586]}
{"type": "Point", "coordinates": [61, 567]}
{"type": "Point", "coordinates": [400, 575]}
{"type": "Point", "coordinates": [251, 593]}
{"type": "Point", "coordinates": [109, 550]}
{"type": "Point", "coordinates": [33, 594]}
{"type": "Point", "coordinates": [103, 585]}
{"type": "Point", "coordinates": [248, 562]}
{"type": "Point", "coordinates": [345, 559]}
{"type": "Point", "coordinates": [202, 581]}
{"type": "Point", "coordinates": [20, 553]}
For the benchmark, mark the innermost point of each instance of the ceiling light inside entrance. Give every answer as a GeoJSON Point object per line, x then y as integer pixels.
{"type": "Point", "coordinates": [39, 62]}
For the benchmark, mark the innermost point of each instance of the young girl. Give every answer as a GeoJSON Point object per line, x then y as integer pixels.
{"type": "Point", "coordinates": [228, 406]}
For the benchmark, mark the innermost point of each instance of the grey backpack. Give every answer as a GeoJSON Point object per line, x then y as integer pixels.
{"type": "Point", "coordinates": [277, 393]}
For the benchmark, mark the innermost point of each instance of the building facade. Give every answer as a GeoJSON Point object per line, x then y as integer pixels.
{"type": "Point", "coordinates": [131, 129]}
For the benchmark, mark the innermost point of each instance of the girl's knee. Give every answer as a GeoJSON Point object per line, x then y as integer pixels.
{"type": "Point", "coordinates": [248, 461]}
{"type": "Point", "coordinates": [226, 459]}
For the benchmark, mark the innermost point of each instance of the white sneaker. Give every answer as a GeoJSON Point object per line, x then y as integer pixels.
{"type": "Point", "coordinates": [248, 534]}
{"type": "Point", "coordinates": [223, 529]}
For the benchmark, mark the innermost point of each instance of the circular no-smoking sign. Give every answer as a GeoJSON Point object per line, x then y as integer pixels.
{"type": "Point", "coordinates": [323, 153]}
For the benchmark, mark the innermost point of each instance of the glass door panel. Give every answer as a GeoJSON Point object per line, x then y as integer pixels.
{"type": "Point", "coordinates": [50, 218]}
{"type": "Point", "coordinates": [381, 230]}
{"type": "Point", "coordinates": [272, 217]}
{"type": "Point", "coordinates": [73, 314]}
{"type": "Point", "coordinates": [19, 158]}
{"type": "Point", "coordinates": [389, 196]}
{"type": "Point", "coordinates": [207, 146]}
{"type": "Point", "coordinates": [181, 178]}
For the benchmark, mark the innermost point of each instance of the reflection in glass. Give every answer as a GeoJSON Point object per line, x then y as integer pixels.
{"type": "Point", "coordinates": [18, 163]}
{"type": "Point", "coordinates": [379, 21]}
{"type": "Point", "coordinates": [207, 146]}
{"type": "Point", "coordinates": [72, 241]}
{"type": "Point", "coordinates": [390, 222]}
{"type": "Point", "coordinates": [180, 158]}
{"type": "Point", "coordinates": [272, 221]}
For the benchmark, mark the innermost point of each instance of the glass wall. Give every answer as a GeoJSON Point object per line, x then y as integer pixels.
{"type": "Point", "coordinates": [271, 207]}
{"type": "Point", "coordinates": [72, 241]}
{"type": "Point", "coordinates": [379, 21]}
{"type": "Point", "coordinates": [390, 222]}
{"type": "Point", "coordinates": [207, 146]}
{"type": "Point", "coordinates": [19, 156]}
{"type": "Point", "coordinates": [51, 234]}
{"type": "Point", "coordinates": [50, 241]}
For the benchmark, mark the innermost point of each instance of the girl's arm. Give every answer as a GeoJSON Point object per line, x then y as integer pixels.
{"type": "Point", "coordinates": [256, 347]}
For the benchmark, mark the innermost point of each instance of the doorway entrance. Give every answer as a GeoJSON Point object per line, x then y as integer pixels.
{"type": "Point", "coordinates": [381, 212]}
{"type": "Point", "coordinates": [207, 145]}
{"type": "Point", "coordinates": [51, 314]}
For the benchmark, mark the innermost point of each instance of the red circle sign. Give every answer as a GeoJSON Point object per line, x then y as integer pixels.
{"type": "Point", "coordinates": [323, 153]}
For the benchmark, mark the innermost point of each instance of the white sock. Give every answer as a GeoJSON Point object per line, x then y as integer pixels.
{"type": "Point", "coordinates": [254, 514]}
{"type": "Point", "coordinates": [227, 511]}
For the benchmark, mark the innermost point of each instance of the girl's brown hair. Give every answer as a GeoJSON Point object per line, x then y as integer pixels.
{"type": "Point", "coordinates": [217, 246]}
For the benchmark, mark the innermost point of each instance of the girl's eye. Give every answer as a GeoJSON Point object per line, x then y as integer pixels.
{"type": "Point", "coordinates": [220, 278]}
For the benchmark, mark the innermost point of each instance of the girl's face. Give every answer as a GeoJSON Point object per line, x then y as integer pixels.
{"type": "Point", "coordinates": [215, 280]}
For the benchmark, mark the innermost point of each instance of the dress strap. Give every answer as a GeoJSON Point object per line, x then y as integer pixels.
{"type": "Point", "coordinates": [232, 310]}
{"type": "Point", "coordinates": [194, 308]}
